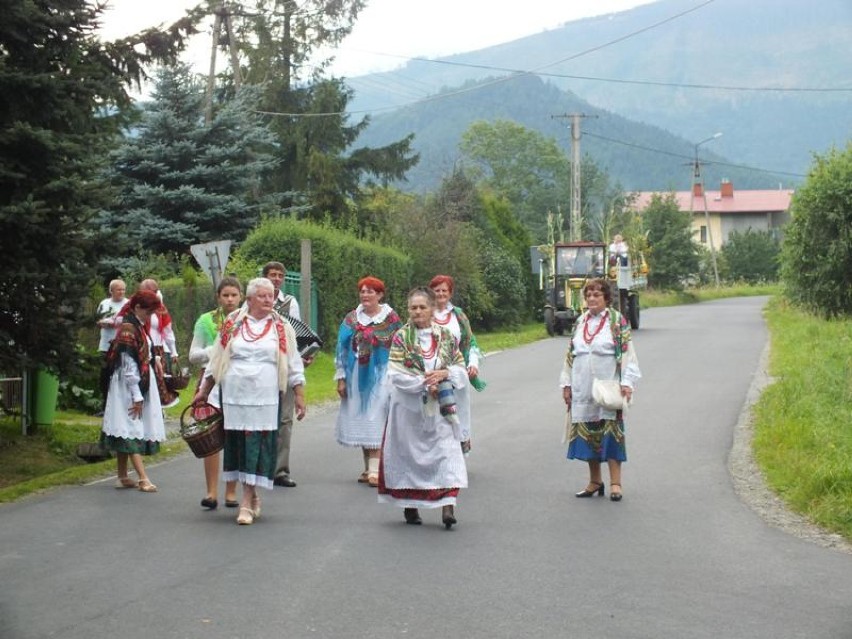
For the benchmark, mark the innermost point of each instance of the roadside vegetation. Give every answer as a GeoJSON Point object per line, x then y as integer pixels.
{"type": "Point", "coordinates": [803, 421]}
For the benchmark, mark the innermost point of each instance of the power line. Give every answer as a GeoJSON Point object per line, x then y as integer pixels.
{"type": "Point", "coordinates": [510, 77]}
{"type": "Point", "coordinates": [591, 78]}
{"type": "Point", "coordinates": [688, 157]}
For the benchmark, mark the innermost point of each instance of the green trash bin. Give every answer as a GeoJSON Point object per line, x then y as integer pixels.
{"type": "Point", "coordinates": [45, 393]}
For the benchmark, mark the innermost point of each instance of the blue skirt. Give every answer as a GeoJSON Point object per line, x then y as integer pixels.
{"type": "Point", "coordinates": [597, 441]}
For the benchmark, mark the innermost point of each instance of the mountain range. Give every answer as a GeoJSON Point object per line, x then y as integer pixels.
{"type": "Point", "coordinates": [773, 76]}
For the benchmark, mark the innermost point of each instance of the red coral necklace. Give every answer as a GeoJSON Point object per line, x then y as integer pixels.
{"type": "Point", "coordinates": [442, 322]}
{"type": "Point", "coordinates": [250, 336]}
{"type": "Point", "coordinates": [587, 336]}
{"type": "Point", "coordinates": [433, 348]}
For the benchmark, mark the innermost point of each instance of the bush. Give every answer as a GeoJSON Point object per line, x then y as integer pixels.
{"type": "Point", "coordinates": [816, 256]}
{"type": "Point", "coordinates": [338, 261]}
{"type": "Point", "coordinates": [752, 256]}
{"type": "Point", "coordinates": [506, 284]}
{"type": "Point", "coordinates": [79, 390]}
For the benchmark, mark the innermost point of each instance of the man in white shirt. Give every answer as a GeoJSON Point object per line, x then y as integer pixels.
{"type": "Point", "coordinates": [286, 306]}
{"type": "Point", "coordinates": [107, 314]}
{"type": "Point", "coordinates": [619, 250]}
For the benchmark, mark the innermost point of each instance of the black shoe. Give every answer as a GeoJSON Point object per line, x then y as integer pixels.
{"type": "Point", "coordinates": [209, 504]}
{"type": "Point", "coordinates": [412, 516]}
{"type": "Point", "coordinates": [615, 496]}
{"type": "Point", "coordinates": [588, 493]}
{"type": "Point", "coordinates": [448, 517]}
{"type": "Point", "coordinates": [231, 503]}
{"type": "Point", "coordinates": [284, 480]}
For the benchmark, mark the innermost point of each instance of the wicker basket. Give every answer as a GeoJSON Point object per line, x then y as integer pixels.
{"type": "Point", "coordinates": [176, 383]}
{"type": "Point", "coordinates": [93, 452]}
{"type": "Point", "coordinates": [205, 437]}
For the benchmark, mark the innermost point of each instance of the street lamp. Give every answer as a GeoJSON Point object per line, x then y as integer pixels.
{"type": "Point", "coordinates": [699, 180]}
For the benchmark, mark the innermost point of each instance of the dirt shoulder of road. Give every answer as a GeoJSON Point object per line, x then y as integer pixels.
{"type": "Point", "coordinates": [750, 485]}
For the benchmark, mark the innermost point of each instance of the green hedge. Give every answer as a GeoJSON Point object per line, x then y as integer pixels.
{"type": "Point", "coordinates": [338, 261]}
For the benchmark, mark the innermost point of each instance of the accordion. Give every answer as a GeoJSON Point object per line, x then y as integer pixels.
{"type": "Point", "coordinates": [307, 341]}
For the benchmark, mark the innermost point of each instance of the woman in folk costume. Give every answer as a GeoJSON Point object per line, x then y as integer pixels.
{"type": "Point", "coordinates": [228, 294]}
{"type": "Point", "coordinates": [164, 348]}
{"type": "Point", "coordinates": [446, 314]}
{"type": "Point", "coordinates": [361, 360]}
{"type": "Point", "coordinates": [422, 464]}
{"type": "Point", "coordinates": [133, 418]}
{"type": "Point", "coordinates": [600, 348]}
{"type": "Point", "coordinates": [254, 361]}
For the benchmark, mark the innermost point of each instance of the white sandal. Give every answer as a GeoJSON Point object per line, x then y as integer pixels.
{"type": "Point", "coordinates": [146, 486]}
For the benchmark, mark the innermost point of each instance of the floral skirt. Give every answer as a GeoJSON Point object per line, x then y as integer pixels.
{"type": "Point", "coordinates": [250, 457]}
{"type": "Point", "coordinates": [129, 446]}
{"type": "Point", "coordinates": [598, 441]}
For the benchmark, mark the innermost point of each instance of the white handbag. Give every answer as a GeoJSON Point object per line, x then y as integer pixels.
{"type": "Point", "coordinates": [607, 394]}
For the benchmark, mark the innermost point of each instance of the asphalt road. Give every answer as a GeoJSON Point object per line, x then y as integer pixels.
{"type": "Point", "coordinates": [680, 556]}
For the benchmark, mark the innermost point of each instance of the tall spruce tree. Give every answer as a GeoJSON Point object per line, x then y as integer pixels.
{"type": "Point", "coordinates": [182, 181]}
{"type": "Point", "coordinates": [276, 40]}
{"type": "Point", "coordinates": [63, 92]}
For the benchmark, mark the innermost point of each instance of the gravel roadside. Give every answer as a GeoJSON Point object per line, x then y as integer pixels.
{"type": "Point", "coordinates": [749, 482]}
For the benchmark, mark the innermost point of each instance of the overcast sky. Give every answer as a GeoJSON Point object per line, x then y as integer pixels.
{"type": "Point", "coordinates": [389, 31]}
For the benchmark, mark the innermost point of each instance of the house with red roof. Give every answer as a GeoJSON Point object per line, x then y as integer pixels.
{"type": "Point", "coordinates": [728, 210]}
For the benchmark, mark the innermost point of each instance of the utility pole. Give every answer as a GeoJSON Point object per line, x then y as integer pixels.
{"type": "Point", "coordinates": [576, 176]}
{"type": "Point", "coordinates": [698, 185]}
{"type": "Point", "coordinates": [221, 15]}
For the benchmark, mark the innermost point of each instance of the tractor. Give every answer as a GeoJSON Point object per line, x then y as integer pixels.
{"type": "Point", "coordinates": [563, 270]}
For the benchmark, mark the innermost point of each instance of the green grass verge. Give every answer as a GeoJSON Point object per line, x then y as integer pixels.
{"type": "Point", "coordinates": [803, 426]}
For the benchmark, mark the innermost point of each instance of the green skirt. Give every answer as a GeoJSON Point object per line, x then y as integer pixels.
{"type": "Point", "coordinates": [129, 446]}
{"type": "Point", "coordinates": [250, 457]}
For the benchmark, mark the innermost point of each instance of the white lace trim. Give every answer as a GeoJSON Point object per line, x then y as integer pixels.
{"type": "Point", "coordinates": [366, 320]}
{"type": "Point", "coordinates": [248, 478]}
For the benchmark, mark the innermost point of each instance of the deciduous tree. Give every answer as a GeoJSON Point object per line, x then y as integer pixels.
{"type": "Point", "coordinates": [817, 250]}
{"type": "Point", "coordinates": [752, 256]}
{"type": "Point", "coordinates": [673, 255]}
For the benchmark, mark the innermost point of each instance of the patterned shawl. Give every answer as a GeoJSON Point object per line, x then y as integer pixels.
{"type": "Point", "coordinates": [407, 356]}
{"type": "Point", "coordinates": [618, 326]}
{"type": "Point", "coordinates": [131, 338]}
{"type": "Point", "coordinates": [467, 343]}
{"type": "Point", "coordinates": [220, 359]}
{"type": "Point", "coordinates": [366, 346]}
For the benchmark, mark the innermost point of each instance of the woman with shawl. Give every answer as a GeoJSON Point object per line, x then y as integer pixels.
{"type": "Point", "coordinates": [254, 361]}
{"type": "Point", "coordinates": [422, 464]}
{"type": "Point", "coordinates": [363, 345]}
{"type": "Point", "coordinates": [162, 332]}
{"type": "Point", "coordinates": [600, 348]}
{"type": "Point", "coordinates": [454, 318]}
{"type": "Point", "coordinates": [133, 418]}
